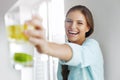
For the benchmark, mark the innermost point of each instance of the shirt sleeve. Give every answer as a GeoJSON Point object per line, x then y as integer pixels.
{"type": "Point", "coordinates": [87, 54]}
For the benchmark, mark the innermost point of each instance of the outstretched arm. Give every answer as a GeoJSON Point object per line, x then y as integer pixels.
{"type": "Point", "coordinates": [37, 38]}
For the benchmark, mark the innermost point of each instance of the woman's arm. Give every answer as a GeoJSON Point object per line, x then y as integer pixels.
{"type": "Point", "coordinates": [37, 38]}
{"type": "Point", "coordinates": [62, 51]}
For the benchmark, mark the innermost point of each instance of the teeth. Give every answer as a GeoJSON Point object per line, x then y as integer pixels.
{"type": "Point", "coordinates": [72, 32]}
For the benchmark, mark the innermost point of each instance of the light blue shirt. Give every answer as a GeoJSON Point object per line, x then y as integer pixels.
{"type": "Point", "coordinates": [86, 62]}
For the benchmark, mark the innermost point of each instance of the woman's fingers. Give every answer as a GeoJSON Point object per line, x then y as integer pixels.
{"type": "Point", "coordinates": [37, 29]}
{"type": "Point", "coordinates": [35, 33]}
{"type": "Point", "coordinates": [35, 41]}
{"type": "Point", "coordinates": [37, 17]}
{"type": "Point", "coordinates": [36, 22]}
{"type": "Point", "coordinates": [40, 44]}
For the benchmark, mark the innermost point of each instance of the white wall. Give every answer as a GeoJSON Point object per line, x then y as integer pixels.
{"type": "Point", "coordinates": [6, 70]}
{"type": "Point", "coordinates": [107, 29]}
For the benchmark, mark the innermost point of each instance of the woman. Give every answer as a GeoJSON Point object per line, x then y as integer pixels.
{"type": "Point", "coordinates": [82, 55]}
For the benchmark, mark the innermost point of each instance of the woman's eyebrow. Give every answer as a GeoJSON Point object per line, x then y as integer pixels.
{"type": "Point", "coordinates": [80, 20]}
{"type": "Point", "coordinates": [75, 20]}
{"type": "Point", "coordinates": [68, 19]}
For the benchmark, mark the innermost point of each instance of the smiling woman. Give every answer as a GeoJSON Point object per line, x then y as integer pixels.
{"type": "Point", "coordinates": [80, 53]}
{"type": "Point", "coordinates": [79, 21]}
{"type": "Point", "coordinates": [79, 25]}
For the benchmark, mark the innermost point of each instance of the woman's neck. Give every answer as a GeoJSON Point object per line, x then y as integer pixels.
{"type": "Point", "coordinates": [80, 42]}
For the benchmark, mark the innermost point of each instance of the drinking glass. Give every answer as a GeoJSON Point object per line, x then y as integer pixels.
{"type": "Point", "coordinates": [21, 51]}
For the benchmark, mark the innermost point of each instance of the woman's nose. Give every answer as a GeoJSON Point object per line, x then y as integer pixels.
{"type": "Point", "coordinates": [73, 25]}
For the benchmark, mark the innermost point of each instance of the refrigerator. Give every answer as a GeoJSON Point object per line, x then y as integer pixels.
{"type": "Point", "coordinates": [38, 66]}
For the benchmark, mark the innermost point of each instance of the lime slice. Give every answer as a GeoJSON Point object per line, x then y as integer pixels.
{"type": "Point", "coordinates": [22, 57]}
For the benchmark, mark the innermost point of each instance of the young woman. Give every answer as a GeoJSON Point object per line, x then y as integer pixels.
{"type": "Point", "coordinates": [82, 55]}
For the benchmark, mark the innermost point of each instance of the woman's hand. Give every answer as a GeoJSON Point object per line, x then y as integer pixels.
{"type": "Point", "coordinates": [37, 35]}
{"type": "Point", "coordinates": [38, 38]}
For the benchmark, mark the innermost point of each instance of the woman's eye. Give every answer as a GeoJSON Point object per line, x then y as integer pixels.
{"type": "Point", "coordinates": [69, 21]}
{"type": "Point", "coordinates": [79, 23]}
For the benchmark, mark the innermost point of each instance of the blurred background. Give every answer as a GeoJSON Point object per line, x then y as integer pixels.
{"type": "Point", "coordinates": [106, 15]}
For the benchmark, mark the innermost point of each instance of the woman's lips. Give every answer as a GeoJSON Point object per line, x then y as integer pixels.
{"type": "Point", "coordinates": [73, 33]}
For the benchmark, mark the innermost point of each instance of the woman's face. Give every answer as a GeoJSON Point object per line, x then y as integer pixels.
{"type": "Point", "coordinates": [76, 27]}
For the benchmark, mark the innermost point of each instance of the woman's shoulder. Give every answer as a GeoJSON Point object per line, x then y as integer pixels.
{"type": "Point", "coordinates": [91, 41]}
{"type": "Point", "coordinates": [88, 41]}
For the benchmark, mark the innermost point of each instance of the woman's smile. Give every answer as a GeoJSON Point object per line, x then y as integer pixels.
{"type": "Point", "coordinates": [72, 33]}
